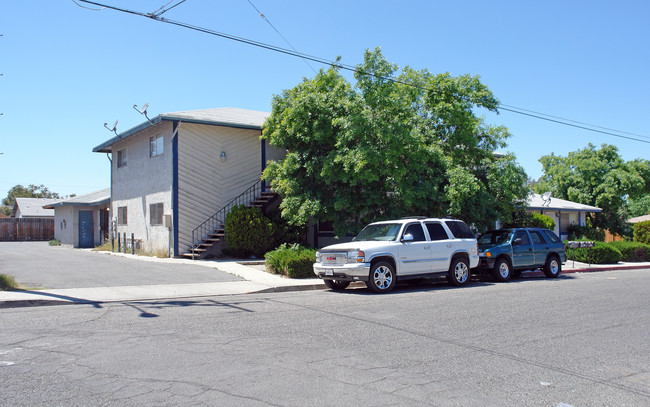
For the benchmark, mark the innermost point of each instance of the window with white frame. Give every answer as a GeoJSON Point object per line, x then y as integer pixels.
{"type": "Point", "coordinates": [156, 146]}
{"type": "Point", "coordinates": [121, 215]}
{"type": "Point", "coordinates": [156, 214]}
{"type": "Point", "coordinates": [121, 158]}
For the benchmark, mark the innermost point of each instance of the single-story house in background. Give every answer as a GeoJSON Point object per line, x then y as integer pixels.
{"type": "Point", "coordinates": [82, 221]}
{"type": "Point", "coordinates": [638, 219]}
{"type": "Point", "coordinates": [32, 208]}
{"type": "Point", "coordinates": [172, 177]}
{"type": "Point", "coordinates": [563, 212]}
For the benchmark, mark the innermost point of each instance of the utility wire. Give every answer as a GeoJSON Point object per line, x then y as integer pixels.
{"type": "Point", "coordinates": [158, 13]}
{"type": "Point", "coordinates": [337, 64]}
{"type": "Point", "coordinates": [279, 33]}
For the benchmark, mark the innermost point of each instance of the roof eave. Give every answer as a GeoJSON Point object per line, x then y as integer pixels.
{"type": "Point", "coordinates": [104, 147]}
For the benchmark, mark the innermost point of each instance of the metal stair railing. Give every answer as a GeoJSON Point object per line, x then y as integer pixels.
{"type": "Point", "coordinates": [214, 222]}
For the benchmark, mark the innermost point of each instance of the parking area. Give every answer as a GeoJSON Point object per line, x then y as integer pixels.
{"type": "Point", "coordinates": [38, 265]}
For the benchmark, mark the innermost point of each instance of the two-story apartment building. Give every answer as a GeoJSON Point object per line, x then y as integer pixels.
{"type": "Point", "coordinates": [173, 172]}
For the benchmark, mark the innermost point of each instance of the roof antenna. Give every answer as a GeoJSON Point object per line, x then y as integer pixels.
{"type": "Point", "coordinates": [143, 111]}
{"type": "Point", "coordinates": [112, 128]}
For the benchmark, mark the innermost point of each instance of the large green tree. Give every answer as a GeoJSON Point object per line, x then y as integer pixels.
{"type": "Point", "coordinates": [597, 177]}
{"type": "Point", "coordinates": [386, 148]}
{"type": "Point", "coordinates": [31, 191]}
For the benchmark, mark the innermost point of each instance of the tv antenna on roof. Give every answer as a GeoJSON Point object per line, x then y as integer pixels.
{"type": "Point", "coordinates": [112, 128]}
{"type": "Point", "coordinates": [143, 111]}
{"type": "Point", "coordinates": [546, 198]}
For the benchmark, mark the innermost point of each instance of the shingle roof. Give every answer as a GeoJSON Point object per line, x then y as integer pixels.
{"type": "Point", "coordinates": [224, 116]}
{"type": "Point", "coordinates": [535, 201]}
{"type": "Point", "coordinates": [33, 207]}
{"type": "Point", "coordinates": [639, 219]}
{"type": "Point", "coordinates": [94, 198]}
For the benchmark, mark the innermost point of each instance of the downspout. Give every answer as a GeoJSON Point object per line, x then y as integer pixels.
{"type": "Point", "coordinates": [263, 162]}
{"type": "Point", "coordinates": [110, 201]}
{"type": "Point", "coordinates": [175, 127]}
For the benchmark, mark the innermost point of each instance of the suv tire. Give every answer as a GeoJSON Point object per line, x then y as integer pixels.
{"type": "Point", "coordinates": [459, 272]}
{"type": "Point", "coordinates": [553, 267]}
{"type": "Point", "coordinates": [502, 271]}
{"type": "Point", "coordinates": [382, 277]}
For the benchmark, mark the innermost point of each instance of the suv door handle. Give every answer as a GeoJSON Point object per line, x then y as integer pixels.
{"type": "Point", "coordinates": [427, 247]}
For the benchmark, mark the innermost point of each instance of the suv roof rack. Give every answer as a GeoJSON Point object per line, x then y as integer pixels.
{"type": "Point", "coordinates": [414, 217]}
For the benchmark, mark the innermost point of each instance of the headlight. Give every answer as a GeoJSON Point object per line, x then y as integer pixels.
{"type": "Point", "coordinates": [355, 256]}
{"type": "Point", "coordinates": [317, 257]}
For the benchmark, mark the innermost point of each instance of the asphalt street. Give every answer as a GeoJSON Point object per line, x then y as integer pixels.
{"type": "Point", "coordinates": [579, 340]}
{"type": "Point", "coordinates": [36, 264]}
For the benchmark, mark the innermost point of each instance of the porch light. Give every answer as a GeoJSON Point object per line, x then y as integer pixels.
{"type": "Point", "coordinates": [223, 155]}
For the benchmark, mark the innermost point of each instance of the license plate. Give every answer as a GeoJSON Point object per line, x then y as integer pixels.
{"type": "Point", "coordinates": [329, 272]}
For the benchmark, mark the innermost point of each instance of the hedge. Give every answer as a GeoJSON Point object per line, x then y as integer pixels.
{"type": "Point", "coordinates": [632, 251]}
{"type": "Point", "coordinates": [248, 232]}
{"type": "Point", "coordinates": [293, 261]}
{"type": "Point", "coordinates": [601, 253]}
{"type": "Point", "coordinates": [642, 232]}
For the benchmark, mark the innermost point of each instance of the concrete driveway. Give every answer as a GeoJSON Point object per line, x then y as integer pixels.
{"type": "Point", "coordinates": [36, 264]}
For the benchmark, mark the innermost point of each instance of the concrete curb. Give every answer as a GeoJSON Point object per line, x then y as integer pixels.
{"type": "Point", "coordinates": [255, 282]}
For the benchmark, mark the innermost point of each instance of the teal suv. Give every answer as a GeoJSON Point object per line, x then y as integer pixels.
{"type": "Point", "coordinates": [505, 253]}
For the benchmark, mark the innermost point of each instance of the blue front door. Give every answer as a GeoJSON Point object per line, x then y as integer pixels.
{"type": "Point", "coordinates": [86, 229]}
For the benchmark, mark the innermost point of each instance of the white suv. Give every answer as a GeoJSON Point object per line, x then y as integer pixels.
{"type": "Point", "coordinates": [409, 248]}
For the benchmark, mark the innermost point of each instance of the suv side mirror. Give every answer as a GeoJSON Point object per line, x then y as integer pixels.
{"type": "Point", "coordinates": [407, 238]}
{"type": "Point", "coordinates": [518, 241]}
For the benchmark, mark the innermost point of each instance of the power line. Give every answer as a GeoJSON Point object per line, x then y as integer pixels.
{"type": "Point", "coordinates": [338, 64]}
{"type": "Point", "coordinates": [279, 33]}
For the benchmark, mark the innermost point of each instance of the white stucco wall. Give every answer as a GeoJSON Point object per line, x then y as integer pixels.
{"type": "Point", "coordinates": [64, 225]}
{"type": "Point", "coordinates": [143, 181]}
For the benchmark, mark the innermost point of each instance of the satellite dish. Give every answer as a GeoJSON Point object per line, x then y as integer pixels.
{"type": "Point", "coordinates": [143, 111]}
{"type": "Point", "coordinates": [112, 128]}
{"type": "Point", "coordinates": [546, 198]}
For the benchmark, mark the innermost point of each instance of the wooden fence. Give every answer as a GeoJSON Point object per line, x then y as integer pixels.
{"type": "Point", "coordinates": [25, 229]}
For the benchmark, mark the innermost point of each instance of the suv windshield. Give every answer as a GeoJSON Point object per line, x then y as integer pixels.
{"type": "Point", "coordinates": [495, 237]}
{"type": "Point", "coordinates": [383, 231]}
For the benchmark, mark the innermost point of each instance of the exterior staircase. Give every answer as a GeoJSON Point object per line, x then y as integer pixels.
{"type": "Point", "coordinates": [211, 233]}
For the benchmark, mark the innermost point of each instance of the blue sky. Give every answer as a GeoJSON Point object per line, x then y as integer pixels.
{"type": "Point", "coordinates": [68, 70]}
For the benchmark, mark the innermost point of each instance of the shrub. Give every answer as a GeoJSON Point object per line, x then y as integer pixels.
{"type": "Point", "coordinates": [522, 219]}
{"type": "Point", "coordinates": [537, 220]}
{"type": "Point", "coordinates": [7, 283]}
{"type": "Point", "coordinates": [293, 261]}
{"type": "Point", "coordinates": [248, 231]}
{"type": "Point", "coordinates": [632, 251]}
{"type": "Point", "coordinates": [55, 242]}
{"type": "Point", "coordinates": [601, 253]}
{"type": "Point", "coordinates": [577, 232]}
{"type": "Point", "coordinates": [642, 232]}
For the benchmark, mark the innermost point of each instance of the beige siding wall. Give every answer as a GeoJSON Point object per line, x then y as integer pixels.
{"type": "Point", "coordinates": [206, 182]}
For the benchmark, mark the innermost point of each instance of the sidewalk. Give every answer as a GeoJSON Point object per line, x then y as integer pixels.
{"type": "Point", "coordinates": [254, 281]}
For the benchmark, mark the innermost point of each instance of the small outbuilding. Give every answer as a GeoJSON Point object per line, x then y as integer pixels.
{"type": "Point", "coordinates": [563, 212]}
{"type": "Point", "coordinates": [82, 221]}
{"type": "Point", "coordinates": [32, 208]}
{"type": "Point", "coordinates": [638, 219]}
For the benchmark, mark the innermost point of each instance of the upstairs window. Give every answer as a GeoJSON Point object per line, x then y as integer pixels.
{"type": "Point", "coordinates": [156, 146]}
{"type": "Point", "coordinates": [121, 158]}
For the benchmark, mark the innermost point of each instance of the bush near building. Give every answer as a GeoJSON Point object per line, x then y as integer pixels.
{"type": "Point", "coordinates": [632, 251]}
{"type": "Point", "coordinates": [642, 232]}
{"type": "Point", "coordinates": [293, 261]}
{"type": "Point", "coordinates": [601, 253]}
